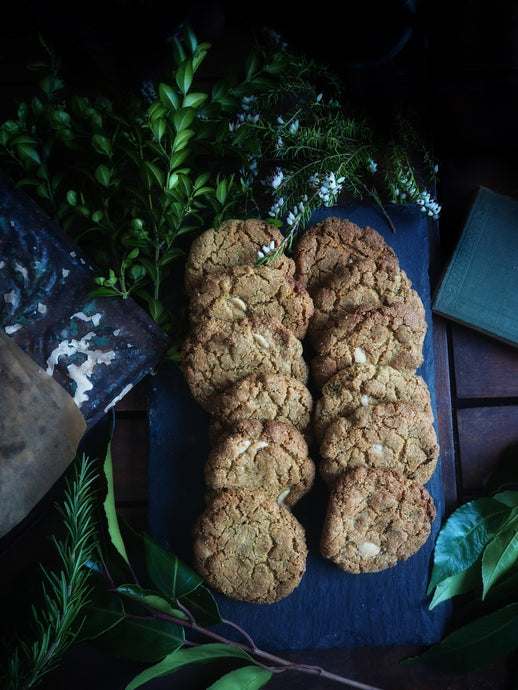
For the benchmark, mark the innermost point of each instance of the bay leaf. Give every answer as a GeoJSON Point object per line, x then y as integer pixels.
{"type": "Point", "coordinates": [476, 644]}
{"type": "Point", "coordinates": [464, 536]}
{"type": "Point", "coordinates": [500, 555]}
{"type": "Point", "coordinates": [245, 678]}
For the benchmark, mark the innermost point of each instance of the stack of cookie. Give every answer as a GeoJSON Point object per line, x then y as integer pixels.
{"type": "Point", "coordinates": [243, 362]}
{"type": "Point", "coordinates": [373, 419]}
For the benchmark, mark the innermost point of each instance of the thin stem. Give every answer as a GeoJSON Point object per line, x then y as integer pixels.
{"type": "Point", "coordinates": [281, 663]}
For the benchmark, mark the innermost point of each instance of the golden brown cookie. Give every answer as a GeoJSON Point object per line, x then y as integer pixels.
{"type": "Point", "coordinates": [262, 396]}
{"type": "Point", "coordinates": [334, 243]}
{"type": "Point", "coordinates": [270, 456]}
{"type": "Point", "coordinates": [233, 243]}
{"type": "Point", "coordinates": [389, 335]}
{"type": "Point", "coordinates": [248, 547]}
{"type": "Point", "coordinates": [375, 518]}
{"type": "Point", "coordinates": [398, 435]}
{"type": "Point", "coordinates": [245, 291]}
{"type": "Point", "coordinates": [359, 385]}
{"type": "Point", "coordinates": [364, 283]}
{"type": "Point", "coordinates": [217, 354]}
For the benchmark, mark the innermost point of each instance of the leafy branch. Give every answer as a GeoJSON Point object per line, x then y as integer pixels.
{"type": "Point", "coordinates": [476, 562]}
{"type": "Point", "coordinates": [146, 600]}
{"type": "Point", "coordinates": [66, 593]}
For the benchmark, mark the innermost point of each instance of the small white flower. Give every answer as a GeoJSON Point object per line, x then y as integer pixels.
{"type": "Point", "coordinates": [280, 120]}
{"type": "Point", "coordinates": [294, 127]}
{"type": "Point", "coordinates": [319, 97]}
{"type": "Point", "coordinates": [372, 165]}
{"type": "Point", "coordinates": [266, 249]}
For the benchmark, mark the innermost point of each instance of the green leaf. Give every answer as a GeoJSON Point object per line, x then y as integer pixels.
{"type": "Point", "coordinates": [182, 139]}
{"type": "Point", "coordinates": [463, 582]}
{"type": "Point", "coordinates": [101, 144]}
{"type": "Point", "coordinates": [184, 657]}
{"type": "Point", "coordinates": [151, 599]}
{"type": "Point", "coordinates": [154, 173]}
{"type": "Point", "coordinates": [500, 555]}
{"type": "Point", "coordinates": [184, 76]}
{"type": "Point", "coordinates": [508, 498]}
{"type": "Point", "coordinates": [109, 508]}
{"type": "Point", "coordinates": [168, 573]}
{"type": "Point", "coordinates": [168, 97]}
{"type": "Point", "coordinates": [141, 639]}
{"type": "Point", "coordinates": [189, 38]}
{"type": "Point", "coordinates": [29, 153]}
{"type": "Point", "coordinates": [183, 118]}
{"type": "Point", "coordinates": [103, 612]}
{"type": "Point", "coordinates": [476, 644]}
{"type": "Point", "coordinates": [202, 606]}
{"type": "Point", "coordinates": [245, 678]}
{"type": "Point", "coordinates": [103, 175]}
{"type": "Point", "coordinates": [464, 536]}
{"type": "Point", "coordinates": [194, 99]}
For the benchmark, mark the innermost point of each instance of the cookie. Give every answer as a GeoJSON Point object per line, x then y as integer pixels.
{"type": "Point", "coordinates": [375, 518]}
{"type": "Point", "coordinates": [233, 243]}
{"type": "Point", "coordinates": [360, 385]}
{"type": "Point", "coordinates": [217, 354]}
{"type": "Point", "coordinates": [389, 335]}
{"type": "Point", "coordinates": [268, 456]}
{"type": "Point", "coordinates": [397, 435]}
{"type": "Point", "coordinates": [335, 243]}
{"type": "Point", "coordinates": [248, 547]}
{"type": "Point", "coordinates": [262, 396]}
{"type": "Point", "coordinates": [245, 291]}
{"type": "Point", "coordinates": [365, 283]}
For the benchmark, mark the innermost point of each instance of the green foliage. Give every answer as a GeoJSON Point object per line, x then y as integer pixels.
{"type": "Point", "coordinates": [476, 561]}
{"type": "Point", "coordinates": [302, 148]}
{"type": "Point", "coordinates": [67, 592]}
{"type": "Point", "coordinates": [132, 179]}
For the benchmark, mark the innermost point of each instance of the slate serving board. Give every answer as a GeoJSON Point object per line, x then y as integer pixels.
{"type": "Point", "coordinates": [329, 609]}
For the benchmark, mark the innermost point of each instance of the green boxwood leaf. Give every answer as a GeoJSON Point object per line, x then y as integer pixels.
{"type": "Point", "coordinates": [184, 657]}
{"type": "Point", "coordinates": [183, 118]}
{"type": "Point", "coordinates": [476, 644]}
{"type": "Point", "coordinates": [168, 97]}
{"type": "Point", "coordinates": [500, 555]}
{"type": "Point", "coordinates": [245, 678]}
{"type": "Point", "coordinates": [184, 76]}
{"type": "Point", "coordinates": [29, 153]}
{"type": "Point", "coordinates": [464, 536]}
{"type": "Point", "coordinates": [102, 144]}
{"type": "Point", "coordinates": [194, 99]}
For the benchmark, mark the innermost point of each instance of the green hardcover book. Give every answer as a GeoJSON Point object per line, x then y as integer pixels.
{"type": "Point", "coordinates": [479, 287]}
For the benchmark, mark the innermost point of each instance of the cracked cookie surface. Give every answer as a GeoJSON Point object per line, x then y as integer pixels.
{"type": "Point", "coordinates": [217, 354]}
{"type": "Point", "coordinates": [245, 291]}
{"type": "Point", "coordinates": [363, 283]}
{"type": "Point", "coordinates": [389, 335]}
{"type": "Point", "coordinates": [248, 547]}
{"type": "Point", "coordinates": [397, 435]}
{"type": "Point", "coordinates": [334, 243]}
{"type": "Point", "coordinates": [360, 385]}
{"type": "Point", "coordinates": [262, 396]}
{"type": "Point", "coordinates": [232, 243]}
{"type": "Point", "coordinates": [375, 518]}
{"type": "Point", "coordinates": [270, 456]}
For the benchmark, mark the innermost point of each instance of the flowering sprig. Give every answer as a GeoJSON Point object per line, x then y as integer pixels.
{"type": "Point", "coordinates": [301, 150]}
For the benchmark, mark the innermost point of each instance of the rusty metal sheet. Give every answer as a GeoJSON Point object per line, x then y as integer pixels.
{"type": "Point", "coordinates": [96, 348]}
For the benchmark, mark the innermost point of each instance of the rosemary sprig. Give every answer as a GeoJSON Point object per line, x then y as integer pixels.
{"type": "Point", "coordinates": [66, 593]}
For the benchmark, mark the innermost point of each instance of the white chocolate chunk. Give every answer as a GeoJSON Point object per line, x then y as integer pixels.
{"type": "Point", "coordinates": [378, 448]}
{"type": "Point", "coordinates": [365, 400]}
{"type": "Point", "coordinates": [243, 446]}
{"type": "Point", "coordinates": [359, 356]}
{"type": "Point", "coordinates": [368, 550]}
{"type": "Point", "coordinates": [261, 341]}
{"type": "Point", "coordinates": [282, 497]}
{"type": "Point", "coordinates": [258, 445]}
{"type": "Point", "coordinates": [237, 302]}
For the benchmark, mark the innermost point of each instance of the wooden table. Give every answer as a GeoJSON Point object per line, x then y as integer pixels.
{"type": "Point", "coordinates": [467, 78]}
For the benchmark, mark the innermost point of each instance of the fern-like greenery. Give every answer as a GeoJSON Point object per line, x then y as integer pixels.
{"type": "Point", "coordinates": [66, 592]}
